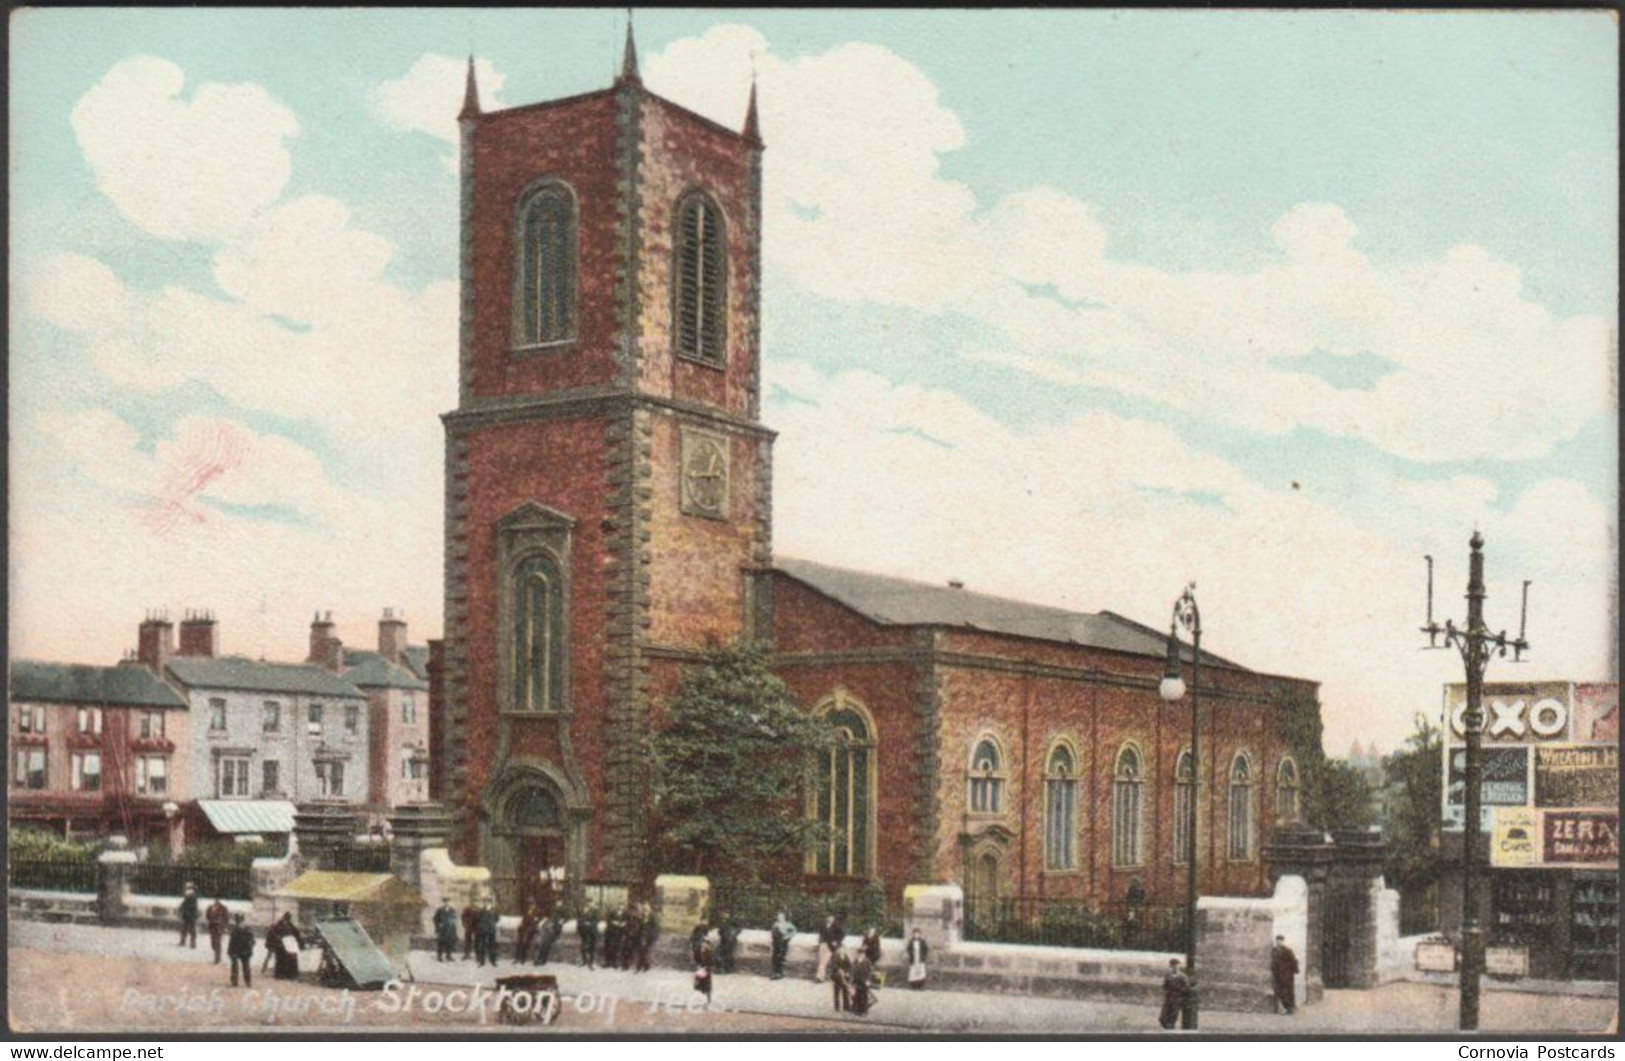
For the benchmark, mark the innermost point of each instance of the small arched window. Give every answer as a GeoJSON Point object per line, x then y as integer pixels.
{"type": "Point", "coordinates": [843, 796]}
{"type": "Point", "coordinates": [699, 279]}
{"type": "Point", "coordinates": [1241, 808]}
{"type": "Point", "coordinates": [538, 636]}
{"type": "Point", "coordinates": [544, 274]}
{"type": "Point", "coordinates": [1288, 793]}
{"type": "Point", "coordinates": [1060, 808]}
{"type": "Point", "coordinates": [1127, 781]}
{"type": "Point", "coordinates": [1184, 806]}
{"type": "Point", "coordinates": [986, 778]}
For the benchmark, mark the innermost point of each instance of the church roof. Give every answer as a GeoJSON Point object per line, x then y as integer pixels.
{"type": "Point", "coordinates": [894, 601]}
{"type": "Point", "coordinates": [83, 683]}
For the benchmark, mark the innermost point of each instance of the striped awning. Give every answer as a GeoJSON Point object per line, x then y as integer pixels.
{"type": "Point", "coordinates": [239, 816]}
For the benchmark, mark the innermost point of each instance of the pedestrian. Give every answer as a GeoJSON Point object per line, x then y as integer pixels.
{"type": "Point", "coordinates": [727, 943]}
{"type": "Point", "coordinates": [863, 976]}
{"type": "Point", "coordinates": [871, 945]}
{"type": "Point", "coordinates": [218, 918]}
{"type": "Point", "coordinates": [830, 938]}
{"type": "Point", "coordinates": [614, 924]}
{"type": "Point", "coordinates": [587, 935]}
{"type": "Point", "coordinates": [1175, 988]}
{"type": "Point", "coordinates": [840, 978]}
{"type": "Point", "coordinates": [697, 939]}
{"type": "Point", "coordinates": [529, 924]}
{"type": "Point", "coordinates": [1284, 972]}
{"type": "Point", "coordinates": [189, 912]}
{"type": "Point", "coordinates": [445, 932]}
{"type": "Point", "coordinates": [917, 951]}
{"type": "Point", "coordinates": [277, 945]}
{"type": "Point", "coordinates": [702, 972]}
{"type": "Point", "coordinates": [782, 932]}
{"type": "Point", "coordinates": [471, 928]}
{"type": "Point", "coordinates": [240, 949]}
{"type": "Point", "coordinates": [485, 948]}
{"type": "Point", "coordinates": [647, 937]}
{"type": "Point", "coordinates": [548, 935]}
{"type": "Point", "coordinates": [631, 932]}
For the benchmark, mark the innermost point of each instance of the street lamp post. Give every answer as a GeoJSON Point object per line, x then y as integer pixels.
{"type": "Point", "coordinates": [1172, 689]}
{"type": "Point", "coordinates": [1477, 645]}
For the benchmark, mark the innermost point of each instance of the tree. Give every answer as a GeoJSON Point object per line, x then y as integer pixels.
{"type": "Point", "coordinates": [1412, 812]}
{"type": "Point", "coordinates": [729, 762]}
{"type": "Point", "coordinates": [1335, 795]}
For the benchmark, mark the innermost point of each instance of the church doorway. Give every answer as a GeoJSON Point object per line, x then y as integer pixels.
{"type": "Point", "coordinates": [531, 850]}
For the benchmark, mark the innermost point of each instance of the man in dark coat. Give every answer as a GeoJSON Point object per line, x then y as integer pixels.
{"type": "Point", "coordinates": [189, 912]}
{"type": "Point", "coordinates": [840, 979]}
{"type": "Point", "coordinates": [526, 935]}
{"type": "Point", "coordinates": [587, 935]}
{"type": "Point", "coordinates": [613, 924]}
{"type": "Point", "coordinates": [863, 976]}
{"type": "Point", "coordinates": [240, 949]}
{"type": "Point", "coordinates": [548, 934]}
{"type": "Point", "coordinates": [1175, 989]}
{"type": "Point", "coordinates": [218, 918]}
{"type": "Point", "coordinates": [830, 939]}
{"type": "Point", "coordinates": [631, 933]}
{"type": "Point", "coordinates": [471, 928]}
{"type": "Point", "coordinates": [285, 942]}
{"type": "Point", "coordinates": [727, 943]}
{"type": "Point", "coordinates": [697, 939]}
{"type": "Point", "coordinates": [1284, 972]}
{"type": "Point", "coordinates": [648, 933]}
{"type": "Point", "coordinates": [445, 932]}
{"type": "Point", "coordinates": [485, 945]}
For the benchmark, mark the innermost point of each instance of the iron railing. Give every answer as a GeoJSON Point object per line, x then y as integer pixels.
{"type": "Point", "coordinates": [57, 875]}
{"type": "Point", "coordinates": [211, 882]}
{"type": "Point", "coordinates": [1074, 923]}
{"type": "Point", "coordinates": [758, 906]}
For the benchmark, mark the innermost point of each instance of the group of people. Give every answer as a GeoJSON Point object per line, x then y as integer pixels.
{"type": "Point", "coordinates": [623, 940]}
{"type": "Point", "coordinates": [479, 924]}
{"type": "Point", "coordinates": [230, 936]}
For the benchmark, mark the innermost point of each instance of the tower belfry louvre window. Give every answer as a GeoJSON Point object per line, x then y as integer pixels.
{"type": "Point", "coordinates": [700, 277]}
{"type": "Point", "coordinates": [544, 281]}
{"type": "Point", "coordinates": [538, 635]}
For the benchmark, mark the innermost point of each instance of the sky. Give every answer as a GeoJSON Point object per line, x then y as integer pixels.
{"type": "Point", "coordinates": [1073, 306]}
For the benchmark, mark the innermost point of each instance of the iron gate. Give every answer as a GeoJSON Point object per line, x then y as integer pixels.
{"type": "Point", "coordinates": [1335, 939]}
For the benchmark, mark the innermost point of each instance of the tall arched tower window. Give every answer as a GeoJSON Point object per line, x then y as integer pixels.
{"type": "Point", "coordinates": [545, 272]}
{"type": "Point", "coordinates": [700, 279]}
{"type": "Point", "coordinates": [1127, 781]}
{"type": "Point", "coordinates": [1241, 808]}
{"type": "Point", "coordinates": [1060, 808]}
{"type": "Point", "coordinates": [538, 635]}
{"type": "Point", "coordinates": [843, 792]}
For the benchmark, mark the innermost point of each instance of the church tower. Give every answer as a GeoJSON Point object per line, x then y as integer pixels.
{"type": "Point", "coordinates": [607, 478]}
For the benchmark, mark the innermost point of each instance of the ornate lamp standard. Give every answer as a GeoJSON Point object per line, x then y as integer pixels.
{"type": "Point", "coordinates": [1477, 644]}
{"type": "Point", "coordinates": [1172, 689]}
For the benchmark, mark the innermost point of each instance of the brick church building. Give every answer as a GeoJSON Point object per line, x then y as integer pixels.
{"type": "Point", "coordinates": [609, 517]}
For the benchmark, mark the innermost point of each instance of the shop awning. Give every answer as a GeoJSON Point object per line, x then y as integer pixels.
{"type": "Point", "coordinates": [235, 816]}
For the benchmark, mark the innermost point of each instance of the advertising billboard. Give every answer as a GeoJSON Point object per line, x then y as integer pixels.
{"type": "Point", "coordinates": [1506, 783]}
{"type": "Point", "coordinates": [1531, 713]}
{"type": "Point", "coordinates": [1596, 712]}
{"type": "Point", "coordinates": [1587, 839]}
{"type": "Point", "coordinates": [1515, 838]}
{"type": "Point", "coordinates": [1576, 775]}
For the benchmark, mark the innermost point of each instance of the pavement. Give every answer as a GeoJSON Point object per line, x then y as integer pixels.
{"type": "Point", "coordinates": [664, 999]}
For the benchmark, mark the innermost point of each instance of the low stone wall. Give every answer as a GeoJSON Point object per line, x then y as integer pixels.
{"type": "Point", "coordinates": [441, 878]}
{"type": "Point", "coordinates": [1234, 941]}
{"type": "Point", "coordinates": [43, 905]}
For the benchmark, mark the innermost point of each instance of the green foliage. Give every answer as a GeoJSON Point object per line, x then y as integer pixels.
{"type": "Point", "coordinates": [1413, 809]}
{"type": "Point", "coordinates": [213, 854]}
{"type": "Point", "coordinates": [1335, 795]}
{"type": "Point", "coordinates": [755, 905]}
{"type": "Point", "coordinates": [36, 845]}
{"type": "Point", "coordinates": [729, 765]}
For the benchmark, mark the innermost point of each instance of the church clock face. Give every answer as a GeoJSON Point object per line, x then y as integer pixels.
{"type": "Point", "coordinates": [704, 476]}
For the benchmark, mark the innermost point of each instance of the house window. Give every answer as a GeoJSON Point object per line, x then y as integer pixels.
{"type": "Point", "coordinates": [233, 777]}
{"type": "Point", "coordinates": [843, 796]}
{"type": "Point", "coordinates": [1288, 793]}
{"type": "Point", "coordinates": [30, 771]}
{"type": "Point", "coordinates": [538, 635]}
{"type": "Point", "coordinates": [1127, 781]}
{"type": "Point", "coordinates": [699, 279]}
{"type": "Point", "coordinates": [409, 710]}
{"type": "Point", "coordinates": [420, 769]}
{"type": "Point", "coordinates": [273, 717]}
{"type": "Point", "coordinates": [313, 724]}
{"type": "Point", "coordinates": [270, 775]}
{"type": "Point", "coordinates": [87, 771]}
{"type": "Point", "coordinates": [329, 777]}
{"type": "Point", "coordinates": [352, 719]}
{"type": "Point", "coordinates": [151, 775]}
{"type": "Point", "coordinates": [90, 720]}
{"type": "Point", "coordinates": [544, 275]}
{"type": "Point", "coordinates": [1184, 803]}
{"type": "Point", "coordinates": [151, 726]}
{"type": "Point", "coordinates": [1241, 809]}
{"type": "Point", "coordinates": [30, 719]}
{"type": "Point", "coordinates": [217, 716]}
{"type": "Point", "coordinates": [986, 778]}
{"type": "Point", "coordinates": [1060, 808]}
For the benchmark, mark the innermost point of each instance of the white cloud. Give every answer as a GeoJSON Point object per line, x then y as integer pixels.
{"type": "Point", "coordinates": [196, 169]}
{"type": "Point", "coordinates": [427, 97]}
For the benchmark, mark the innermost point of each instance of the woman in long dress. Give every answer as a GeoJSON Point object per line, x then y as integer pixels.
{"type": "Point", "coordinates": [277, 942]}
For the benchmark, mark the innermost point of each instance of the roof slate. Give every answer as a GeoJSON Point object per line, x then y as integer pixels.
{"type": "Point", "coordinates": [84, 683]}
{"type": "Point", "coordinates": [903, 602]}
{"type": "Point", "coordinates": [369, 670]}
{"type": "Point", "coordinates": [240, 672]}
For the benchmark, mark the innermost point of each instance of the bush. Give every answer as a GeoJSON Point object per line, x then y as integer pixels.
{"type": "Point", "coordinates": [215, 853]}
{"type": "Point", "coordinates": [36, 845]}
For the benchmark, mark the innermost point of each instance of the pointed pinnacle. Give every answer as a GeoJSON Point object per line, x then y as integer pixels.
{"type": "Point", "coordinates": [752, 131]}
{"type": "Point", "coordinates": [471, 95]}
{"type": "Point", "coordinates": [629, 57]}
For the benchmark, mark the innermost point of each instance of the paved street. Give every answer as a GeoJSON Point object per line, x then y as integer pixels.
{"type": "Point", "coordinates": [57, 983]}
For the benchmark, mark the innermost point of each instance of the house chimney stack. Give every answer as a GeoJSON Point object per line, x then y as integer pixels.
{"type": "Point", "coordinates": [200, 636]}
{"type": "Point", "coordinates": [325, 649]}
{"type": "Point", "coordinates": [392, 635]}
{"type": "Point", "coordinates": [155, 641]}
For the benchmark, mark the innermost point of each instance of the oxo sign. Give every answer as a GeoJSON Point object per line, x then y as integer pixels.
{"type": "Point", "coordinates": [1515, 715]}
